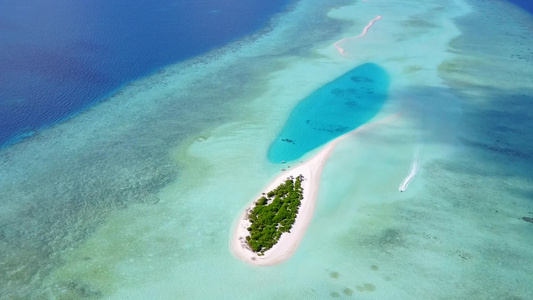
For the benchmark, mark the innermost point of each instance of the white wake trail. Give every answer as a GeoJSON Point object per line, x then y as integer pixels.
{"type": "Point", "coordinates": [415, 166]}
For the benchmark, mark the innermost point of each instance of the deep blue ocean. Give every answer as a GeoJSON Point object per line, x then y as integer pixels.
{"type": "Point", "coordinates": [525, 4]}
{"type": "Point", "coordinates": [60, 57]}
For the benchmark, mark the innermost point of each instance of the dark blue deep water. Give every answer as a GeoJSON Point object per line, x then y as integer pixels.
{"type": "Point", "coordinates": [60, 57]}
{"type": "Point", "coordinates": [525, 4]}
{"type": "Point", "coordinates": [331, 111]}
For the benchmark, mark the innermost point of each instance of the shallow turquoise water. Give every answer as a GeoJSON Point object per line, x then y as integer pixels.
{"type": "Point", "coordinates": [135, 198]}
{"type": "Point", "coordinates": [331, 111]}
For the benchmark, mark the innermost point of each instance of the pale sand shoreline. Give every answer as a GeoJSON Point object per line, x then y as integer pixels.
{"type": "Point", "coordinates": [289, 242]}
{"type": "Point", "coordinates": [365, 30]}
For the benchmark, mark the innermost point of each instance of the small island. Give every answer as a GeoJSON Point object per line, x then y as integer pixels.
{"type": "Point", "coordinates": [269, 230]}
{"type": "Point", "coordinates": [274, 214]}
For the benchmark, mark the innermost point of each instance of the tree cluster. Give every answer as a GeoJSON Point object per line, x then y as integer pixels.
{"type": "Point", "coordinates": [274, 214]}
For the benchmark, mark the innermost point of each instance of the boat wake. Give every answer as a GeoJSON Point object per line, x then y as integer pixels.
{"type": "Point", "coordinates": [415, 166]}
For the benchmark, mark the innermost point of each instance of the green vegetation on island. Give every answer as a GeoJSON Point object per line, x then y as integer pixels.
{"type": "Point", "coordinates": [274, 214]}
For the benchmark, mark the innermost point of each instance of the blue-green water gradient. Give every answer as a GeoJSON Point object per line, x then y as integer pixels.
{"type": "Point", "coordinates": [331, 111]}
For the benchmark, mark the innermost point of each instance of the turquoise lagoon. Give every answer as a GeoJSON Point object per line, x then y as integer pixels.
{"type": "Point", "coordinates": [331, 111]}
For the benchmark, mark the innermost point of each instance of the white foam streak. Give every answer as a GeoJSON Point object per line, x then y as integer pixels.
{"type": "Point", "coordinates": [415, 166]}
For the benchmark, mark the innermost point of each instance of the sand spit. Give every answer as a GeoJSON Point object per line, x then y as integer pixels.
{"type": "Point", "coordinates": [311, 170]}
{"type": "Point", "coordinates": [365, 30]}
